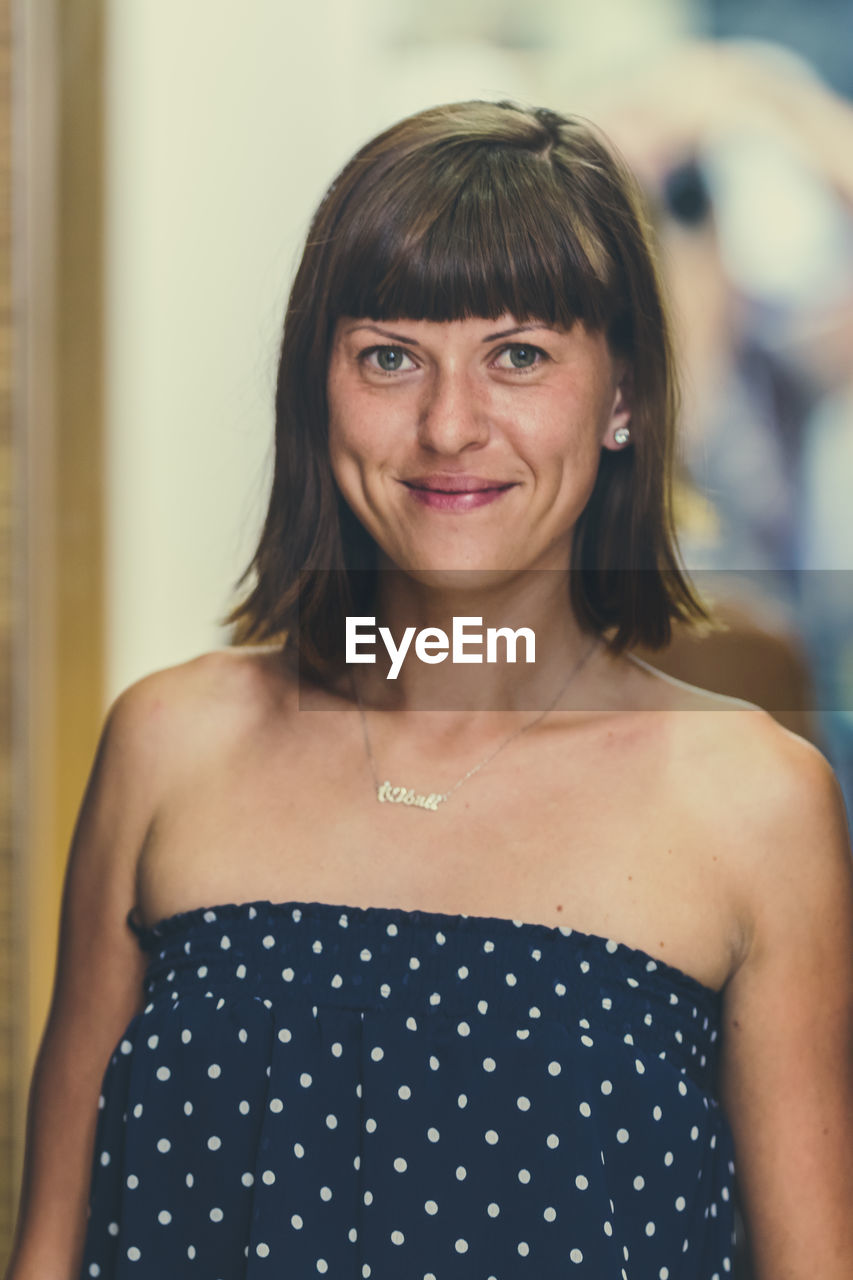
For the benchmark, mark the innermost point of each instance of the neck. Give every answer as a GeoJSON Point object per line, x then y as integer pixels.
{"type": "Point", "coordinates": [534, 605]}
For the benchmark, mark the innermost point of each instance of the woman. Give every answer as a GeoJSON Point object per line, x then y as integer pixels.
{"type": "Point", "coordinates": [503, 989]}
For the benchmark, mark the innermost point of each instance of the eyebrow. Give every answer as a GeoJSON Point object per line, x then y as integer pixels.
{"type": "Point", "coordinates": [412, 342]}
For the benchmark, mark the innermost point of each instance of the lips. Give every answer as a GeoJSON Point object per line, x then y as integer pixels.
{"type": "Point", "coordinates": [448, 483]}
{"type": "Point", "coordinates": [456, 493]}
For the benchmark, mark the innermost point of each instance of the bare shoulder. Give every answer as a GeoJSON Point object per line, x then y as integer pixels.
{"type": "Point", "coordinates": [775, 807]}
{"type": "Point", "coordinates": [184, 709]}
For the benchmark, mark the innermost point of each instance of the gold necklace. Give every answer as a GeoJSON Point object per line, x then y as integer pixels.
{"type": "Point", "coordinates": [388, 794]}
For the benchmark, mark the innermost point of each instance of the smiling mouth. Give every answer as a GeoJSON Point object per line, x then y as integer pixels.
{"type": "Point", "coordinates": [459, 487]}
{"type": "Point", "coordinates": [457, 495]}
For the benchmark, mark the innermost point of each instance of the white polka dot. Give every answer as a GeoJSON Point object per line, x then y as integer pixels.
{"type": "Point", "coordinates": [298, 1150]}
{"type": "Point", "coordinates": [523, 1248]}
{"type": "Point", "coordinates": [550, 1214]}
{"type": "Point", "coordinates": [214, 1143]}
{"type": "Point", "coordinates": [214, 1071]}
{"type": "Point", "coordinates": [464, 1029]}
{"type": "Point", "coordinates": [397, 1237]}
{"type": "Point", "coordinates": [216, 1215]}
{"type": "Point", "coordinates": [163, 1144]}
{"type": "Point", "coordinates": [581, 1182]}
{"type": "Point", "coordinates": [585, 1109]}
{"type": "Point", "coordinates": [287, 974]}
{"type": "Point", "coordinates": [576, 1255]}
{"type": "Point", "coordinates": [188, 1108]}
{"type": "Point", "coordinates": [132, 1181]}
{"type": "Point", "coordinates": [554, 1068]}
{"type": "Point", "coordinates": [680, 1203]}
{"type": "Point", "coordinates": [262, 1250]}
{"type": "Point", "coordinates": [296, 1222]}
{"type": "Point", "coordinates": [431, 1206]}
{"type": "Point", "coordinates": [163, 1073]}
{"type": "Point", "coordinates": [622, 1135]}
{"type": "Point", "coordinates": [247, 1179]}
{"type": "Point", "coordinates": [489, 1064]}
{"type": "Point", "coordinates": [400, 1165]}
{"type": "Point", "coordinates": [164, 1217]}
{"type": "Point", "coordinates": [461, 1172]}
{"type": "Point", "coordinates": [493, 1209]}
{"type": "Point", "coordinates": [433, 1134]}
{"type": "Point", "coordinates": [524, 1175]}
{"type": "Point", "coordinates": [461, 1246]}
{"type": "Point", "coordinates": [650, 1228]}
{"type": "Point", "coordinates": [606, 1087]}
{"type": "Point", "coordinates": [137, 1110]}
{"type": "Point", "coordinates": [404, 1092]}
{"type": "Point", "coordinates": [322, 1266]}
{"type": "Point", "coordinates": [244, 1108]}
{"type": "Point", "coordinates": [552, 1141]}
{"type": "Point", "coordinates": [639, 1182]}
{"type": "Point", "coordinates": [325, 1193]}
{"type": "Point", "coordinates": [133, 1253]}
{"type": "Point", "coordinates": [268, 1177]}
{"type": "Point", "coordinates": [491, 1136]}
{"type": "Point", "coordinates": [523, 1103]}
{"type": "Point", "coordinates": [305, 1080]}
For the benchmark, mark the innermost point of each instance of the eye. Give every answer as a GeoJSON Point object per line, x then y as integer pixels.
{"type": "Point", "coordinates": [521, 356]}
{"type": "Point", "coordinates": [385, 359]}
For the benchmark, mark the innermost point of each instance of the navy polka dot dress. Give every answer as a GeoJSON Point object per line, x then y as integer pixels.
{"type": "Point", "coordinates": [314, 1089]}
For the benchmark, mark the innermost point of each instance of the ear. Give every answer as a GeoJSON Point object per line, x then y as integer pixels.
{"type": "Point", "coordinates": [620, 413]}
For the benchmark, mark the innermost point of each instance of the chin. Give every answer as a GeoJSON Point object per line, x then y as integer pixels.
{"type": "Point", "coordinates": [450, 578]}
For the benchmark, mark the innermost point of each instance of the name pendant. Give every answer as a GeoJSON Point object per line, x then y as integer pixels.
{"type": "Point", "coordinates": [386, 794]}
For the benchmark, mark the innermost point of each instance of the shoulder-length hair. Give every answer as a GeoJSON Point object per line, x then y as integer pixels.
{"type": "Point", "coordinates": [474, 209]}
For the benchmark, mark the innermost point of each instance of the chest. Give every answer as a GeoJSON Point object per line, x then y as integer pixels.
{"type": "Point", "coordinates": [587, 832]}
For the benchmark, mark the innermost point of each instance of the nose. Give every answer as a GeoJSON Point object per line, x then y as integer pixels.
{"type": "Point", "coordinates": [453, 413]}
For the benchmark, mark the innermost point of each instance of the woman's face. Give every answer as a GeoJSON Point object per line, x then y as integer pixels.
{"type": "Point", "coordinates": [471, 444]}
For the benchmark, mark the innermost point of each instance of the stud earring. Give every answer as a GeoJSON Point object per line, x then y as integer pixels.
{"type": "Point", "coordinates": [622, 435]}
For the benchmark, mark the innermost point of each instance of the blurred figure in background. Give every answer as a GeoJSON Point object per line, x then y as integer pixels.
{"type": "Point", "coordinates": [747, 161]}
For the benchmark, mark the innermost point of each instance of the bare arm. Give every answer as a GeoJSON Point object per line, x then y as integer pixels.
{"type": "Point", "coordinates": [788, 1024]}
{"type": "Point", "coordinates": [97, 987]}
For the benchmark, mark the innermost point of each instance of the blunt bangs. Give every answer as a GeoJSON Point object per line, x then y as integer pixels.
{"type": "Point", "coordinates": [497, 232]}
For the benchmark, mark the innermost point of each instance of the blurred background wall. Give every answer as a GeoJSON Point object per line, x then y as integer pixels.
{"type": "Point", "coordinates": [166, 156]}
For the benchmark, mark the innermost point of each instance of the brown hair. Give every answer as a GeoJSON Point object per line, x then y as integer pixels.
{"type": "Point", "coordinates": [475, 209]}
